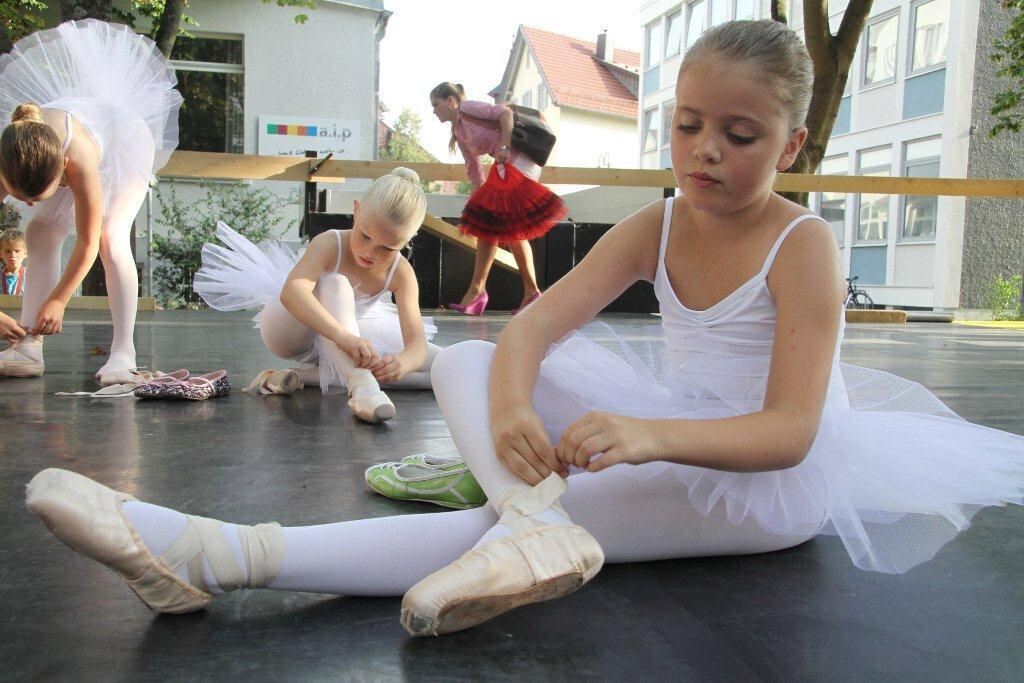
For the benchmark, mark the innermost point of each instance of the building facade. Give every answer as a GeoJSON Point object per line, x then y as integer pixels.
{"type": "Point", "coordinates": [587, 92]}
{"type": "Point", "coordinates": [915, 103]}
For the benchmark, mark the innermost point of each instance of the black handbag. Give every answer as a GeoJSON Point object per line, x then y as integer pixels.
{"type": "Point", "coordinates": [531, 134]}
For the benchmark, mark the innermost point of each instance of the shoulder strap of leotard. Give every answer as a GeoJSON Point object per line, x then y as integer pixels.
{"type": "Point", "coordinates": [778, 243]}
{"type": "Point", "coordinates": [666, 227]}
{"type": "Point", "coordinates": [337, 263]}
{"type": "Point", "coordinates": [67, 139]}
{"type": "Point", "coordinates": [391, 273]}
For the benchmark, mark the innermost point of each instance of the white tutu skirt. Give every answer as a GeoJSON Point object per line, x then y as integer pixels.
{"type": "Point", "coordinates": [115, 82]}
{"type": "Point", "coordinates": [238, 274]}
{"type": "Point", "coordinates": [893, 471]}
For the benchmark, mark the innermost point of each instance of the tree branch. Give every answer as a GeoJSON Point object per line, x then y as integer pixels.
{"type": "Point", "coordinates": [854, 18]}
{"type": "Point", "coordinates": [780, 10]}
{"type": "Point", "coordinates": [818, 36]}
{"type": "Point", "coordinates": [167, 28]}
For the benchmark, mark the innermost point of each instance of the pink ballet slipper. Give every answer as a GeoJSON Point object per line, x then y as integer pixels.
{"type": "Point", "coordinates": [529, 300]}
{"type": "Point", "coordinates": [474, 307]}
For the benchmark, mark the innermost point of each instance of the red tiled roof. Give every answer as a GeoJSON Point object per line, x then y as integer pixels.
{"type": "Point", "coordinates": [576, 78]}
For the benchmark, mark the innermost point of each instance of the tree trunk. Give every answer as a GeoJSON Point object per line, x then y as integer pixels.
{"type": "Point", "coordinates": [170, 22]}
{"type": "Point", "coordinates": [832, 56]}
{"type": "Point", "coordinates": [86, 9]}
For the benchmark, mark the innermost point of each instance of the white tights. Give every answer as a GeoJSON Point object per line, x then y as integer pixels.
{"type": "Point", "coordinates": [45, 237]}
{"type": "Point", "coordinates": [633, 520]}
{"type": "Point", "coordinates": [290, 339]}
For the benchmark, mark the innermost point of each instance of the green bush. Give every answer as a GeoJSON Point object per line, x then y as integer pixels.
{"type": "Point", "coordinates": [9, 217]}
{"type": "Point", "coordinates": [1004, 298]}
{"type": "Point", "coordinates": [253, 212]}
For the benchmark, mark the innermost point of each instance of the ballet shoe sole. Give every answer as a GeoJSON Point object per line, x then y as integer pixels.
{"type": "Point", "coordinates": [23, 370]}
{"type": "Point", "coordinates": [469, 612]}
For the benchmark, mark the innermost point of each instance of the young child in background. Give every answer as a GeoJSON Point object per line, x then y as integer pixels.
{"type": "Point", "coordinates": [333, 306]}
{"type": "Point", "coordinates": [13, 252]}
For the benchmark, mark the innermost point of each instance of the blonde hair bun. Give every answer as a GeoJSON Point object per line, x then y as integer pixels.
{"type": "Point", "coordinates": [27, 112]}
{"type": "Point", "coordinates": [407, 174]}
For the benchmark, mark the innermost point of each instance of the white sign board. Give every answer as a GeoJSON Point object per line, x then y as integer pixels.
{"type": "Point", "coordinates": [291, 136]}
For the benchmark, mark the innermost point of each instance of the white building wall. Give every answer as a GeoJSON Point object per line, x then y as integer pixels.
{"type": "Point", "coordinates": [918, 273]}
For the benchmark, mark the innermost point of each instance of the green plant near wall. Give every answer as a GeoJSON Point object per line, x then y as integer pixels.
{"type": "Point", "coordinates": [253, 212]}
{"type": "Point", "coordinates": [9, 217]}
{"type": "Point", "coordinates": [1004, 298]}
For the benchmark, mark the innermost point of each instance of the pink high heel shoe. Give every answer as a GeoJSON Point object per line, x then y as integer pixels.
{"type": "Point", "coordinates": [533, 297]}
{"type": "Point", "coordinates": [474, 307]}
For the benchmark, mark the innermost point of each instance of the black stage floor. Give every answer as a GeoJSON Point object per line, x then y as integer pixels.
{"type": "Point", "coordinates": [802, 614]}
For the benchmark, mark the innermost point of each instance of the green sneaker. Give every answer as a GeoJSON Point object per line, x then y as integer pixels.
{"type": "Point", "coordinates": [428, 479]}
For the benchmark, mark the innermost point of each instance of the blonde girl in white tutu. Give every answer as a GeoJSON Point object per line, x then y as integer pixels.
{"type": "Point", "coordinates": [745, 435]}
{"type": "Point", "coordinates": [334, 306]}
{"type": "Point", "coordinates": [94, 112]}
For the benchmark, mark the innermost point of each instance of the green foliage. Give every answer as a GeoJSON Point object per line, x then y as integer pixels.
{"type": "Point", "coordinates": [1004, 298]}
{"type": "Point", "coordinates": [404, 142]}
{"type": "Point", "coordinates": [9, 217]}
{"type": "Point", "coordinates": [18, 18]}
{"type": "Point", "coordinates": [190, 225]}
{"type": "Point", "coordinates": [1009, 51]}
{"type": "Point", "coordinates": [299, 18]}
{"type": "Point", "coordinates": [464, 187]}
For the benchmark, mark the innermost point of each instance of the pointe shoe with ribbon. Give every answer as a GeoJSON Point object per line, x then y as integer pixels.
{"type": "Point", "coordinates": [24, 358]}
{"type": "Point", "coordinates": [89, 518]}
{"type": "Point", "coordinates": [474, 307]}
{"type": "Point", "coordinates": [537, 562]}
{"type": "Point", "coordinates": [366, 400]}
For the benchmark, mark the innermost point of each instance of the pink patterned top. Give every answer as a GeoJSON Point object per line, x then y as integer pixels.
{"type": "Point", "coordinates": [475, 139]}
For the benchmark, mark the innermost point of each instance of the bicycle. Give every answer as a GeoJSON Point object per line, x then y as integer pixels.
{"type": "Point", "coordinates": [856, 297]}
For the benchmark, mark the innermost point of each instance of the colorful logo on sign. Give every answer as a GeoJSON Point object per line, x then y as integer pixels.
{"type": "Point", "coordinates": [308, 131]}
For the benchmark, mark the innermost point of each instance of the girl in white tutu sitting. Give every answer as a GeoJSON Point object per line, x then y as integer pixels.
{"type": "Point", "coordinates": [94, 112]}
{"type": "Point", "coordinates": [333, 307]}
{"type": "Point", "coordinates": [745, 435]}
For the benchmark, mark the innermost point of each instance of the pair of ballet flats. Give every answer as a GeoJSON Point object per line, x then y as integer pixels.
{"type": "Point", "coordinates": [537, 562]}
{"type": "Point", "coordinates": [181, 385]}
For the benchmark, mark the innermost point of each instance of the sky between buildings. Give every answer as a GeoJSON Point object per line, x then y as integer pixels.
{"type": "Point", "coordinates": [468, 42]}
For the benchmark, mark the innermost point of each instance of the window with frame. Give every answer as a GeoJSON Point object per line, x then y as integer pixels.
{"type": "Point", "coordinates": [880, 48]}
{"type": "Point", "coordinates": [929, 33]}
{"type": "Point", "coordinates": [832, 205]}
{"type": "Point", "coordinates": [211, 80]}
{"type": "Point", "coordinates": [719, 12]}
{"type": "Point", "coordinates": [666, 122]}
{"type": "Point", "coordinates": [873, 219]}
{"type": "Point", "coordinates": [673, 34]}
{"type": "Point", "coordinates": [920, 212]}
{"type": "Point", "coordinates": [650, 132]}
{"type": "Point", "coordinates": [654, 45]}
{"type": "Point", "coordinates": [696, 21]}
{"type": "Point", "coordinates": [542, 97]}
{"type": "Point", "coordinates": [743, 9]}
{"type": "Point", "coordinates": [527, 99]}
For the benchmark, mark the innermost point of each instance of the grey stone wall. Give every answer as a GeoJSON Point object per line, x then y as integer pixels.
{"type": "Point", "coordinates": [994, 228]}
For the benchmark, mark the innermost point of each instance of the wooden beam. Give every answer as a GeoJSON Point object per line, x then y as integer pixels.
{"type": "Point", "coordinates": [296, 169]}
{"type": "Point", "coordinates": [449, 232]}
{"type": "Point", "coordinates": [80, 303]}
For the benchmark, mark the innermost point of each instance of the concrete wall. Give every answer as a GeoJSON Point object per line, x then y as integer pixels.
{"type": "Point", "coordinates": [994, 233]}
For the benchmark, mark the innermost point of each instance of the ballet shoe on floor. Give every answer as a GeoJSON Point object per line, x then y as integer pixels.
{"type": "Point", "coordinates": [537, 562]}
{"type": "Point", "coordinates": [23, 359]}
{"type": "Point", "coordinates": [280, 382]}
